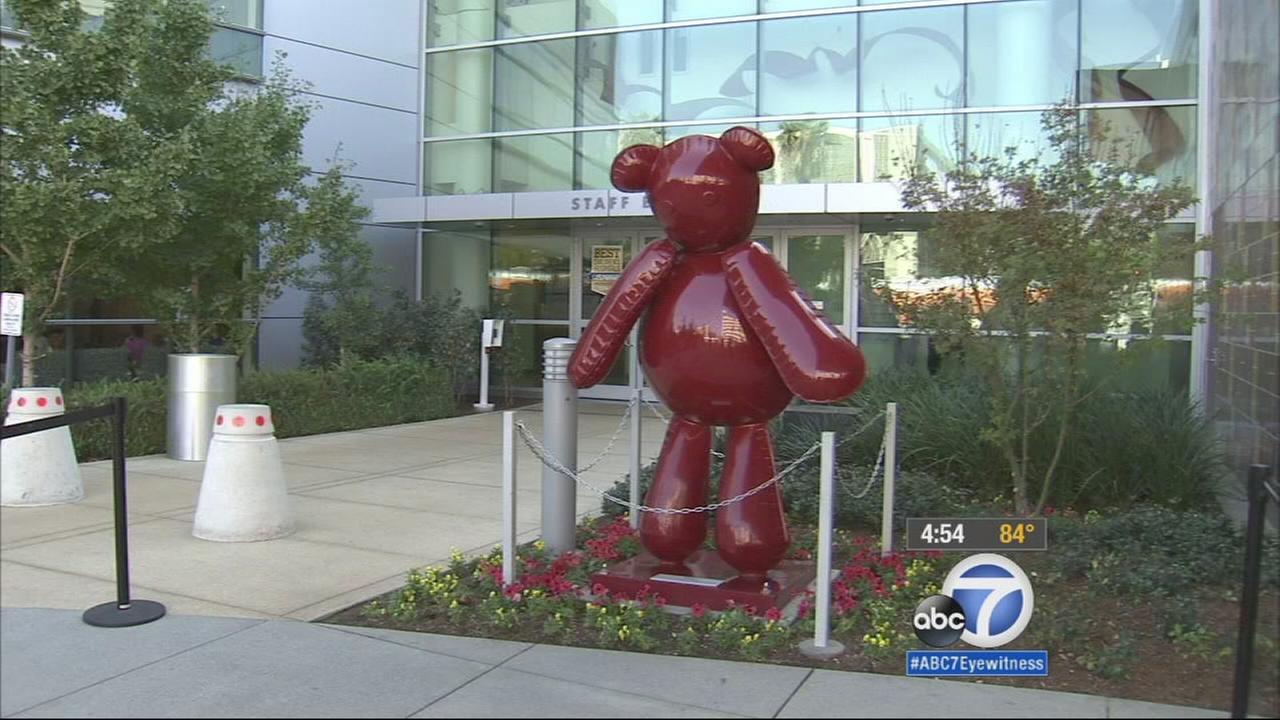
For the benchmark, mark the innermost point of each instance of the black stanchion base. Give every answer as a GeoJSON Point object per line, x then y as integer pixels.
{"type": "Point", "coordinates": [111, 614]}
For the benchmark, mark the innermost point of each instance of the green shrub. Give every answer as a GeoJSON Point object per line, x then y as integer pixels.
{"type": "Point", "coordinates": [303, 402]}
{"type": "Point", "coordinates": [1147, 550]}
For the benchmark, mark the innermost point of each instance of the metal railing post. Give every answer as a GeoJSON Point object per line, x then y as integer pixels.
{"type": "Point", "coordinates": [508, 497]}
{"type": "Point", "coordinates": [560, 437]}
{"type": "Point", "coordinates": [890, 476]}
{"type": "Point", "coordinates": [1257, 495]}
{"type": "Point", "coordinates": [636, 403]}
{"type": "Point", "coordinates": [822, 645]}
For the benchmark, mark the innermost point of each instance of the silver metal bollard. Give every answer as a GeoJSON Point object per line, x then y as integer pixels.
{"type": "Point", "coordinates": [890, 476]}
{"type": "Point", "coordinates": [822, 646]}
{"type": "Point", "coordinates": [560, 437]}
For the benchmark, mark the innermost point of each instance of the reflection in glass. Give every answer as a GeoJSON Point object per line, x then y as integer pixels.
{"type": "Point", "coordinates": [812, 151]}
{"type": "Point", "coordinates": [245, 13]}
{"type": "Point", "coordinates": [455, 22]}
{"type": "Point", "coordinates": [459, 92]}
{"type": "Point", "coordinates": [996, 134]}
{"type": "Point", "coordinates": [460, 167]}
{"type": "Point", "coordinates": [614, 84]}
{"type": "Point", "coordinates": [517, 18]}
{"type": "Point", "coordinates": [890, 263]}
{"type": "Point", "coordinates": [816, 264]}
{"type": "Point", "coordinates": [596, 276]}
{"type": "Point", "coordinates": [672, 134]}
{"type": "Point", "coordinates": [521, 364]}
{"type": "Point", "coordinates": [769, 6]}
{"type": "Point", "coordinates": [617, 13]}
{"type": "Point", "coordinates": [808, 65]}
{"type": "Point", "coordinates": [457, 261]}
{"type": "Point", "coordinates": [711, 71]}
{"type": "Point", "coordinates": [912, 59]}
{"type": "Point", "coordinates": [1157, 140]}
{"type": "Point", "coordinates": [695, 9]}
{"type": "Point", "coordinates": [529, 275]}
{"type": "Point", "coordinates": [1021, 53]}
{"type": "Point", "coordinates": [1138, 49]}
{"type": "Point", "coordinates": [533, 85]}
{"type": "Point", "coordinates": [885, 352]}
{"type": "Point", "coordinates": [596, 151]}
{"type": "Point", "coordinates": [533, 163]}
{"type": "Point", "coordinates": [241, 50]}
{"type": "Point", "coordinates": [888, 148]}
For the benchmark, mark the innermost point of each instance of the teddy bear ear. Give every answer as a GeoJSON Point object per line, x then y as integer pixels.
{"type": "Point", "coordinates": [748, 147]}
{"type": "Point", "coordinates": [632, 168]}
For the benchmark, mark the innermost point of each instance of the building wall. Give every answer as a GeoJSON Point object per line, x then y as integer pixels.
{"type": "Point", "coordinates": [361, 61]}
{"type": "Point", "coordinates": [1245, 198]}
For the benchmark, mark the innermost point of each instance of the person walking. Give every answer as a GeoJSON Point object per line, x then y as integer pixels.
{"type": "Point", "coordinates": [136, 347]}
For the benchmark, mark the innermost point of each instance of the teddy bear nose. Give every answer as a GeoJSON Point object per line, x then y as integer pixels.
{"type": "Point", "coordinates": [709, 198]}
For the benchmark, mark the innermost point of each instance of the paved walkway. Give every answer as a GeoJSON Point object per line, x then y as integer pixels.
{"type": "Point", "coordinates": [53, 665]}
{"type": "Point", "coordinates": [370, 505]}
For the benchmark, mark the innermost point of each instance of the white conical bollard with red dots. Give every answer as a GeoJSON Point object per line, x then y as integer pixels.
{"type": "Point", "coordinates": [39, 468]}
{"type": "Point", "coordinates": [243, 497]}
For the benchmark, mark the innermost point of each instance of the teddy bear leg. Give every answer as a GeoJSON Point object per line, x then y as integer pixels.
{"type": "Point", "coordinates": [679, 481]}
{"type": "Point", "coordinates": [751, 534]}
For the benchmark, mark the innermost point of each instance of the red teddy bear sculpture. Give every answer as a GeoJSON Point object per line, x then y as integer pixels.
{"type": "Point", "coordinates": [728, 340]}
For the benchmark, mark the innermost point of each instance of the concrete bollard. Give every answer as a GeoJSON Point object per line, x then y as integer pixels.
{"type": "Point", "coordinates": [40, 468]}
{"type": "Point", "coordinates": [243, 497]}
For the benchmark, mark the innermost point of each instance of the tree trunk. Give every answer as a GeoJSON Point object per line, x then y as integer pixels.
{"type": "Point", "coordinates": [29, 339]}
{"type": "Point", "coordinates": [193, 326]}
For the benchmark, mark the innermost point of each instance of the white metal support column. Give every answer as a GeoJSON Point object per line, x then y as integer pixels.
{"type": "Point", "coordinates": [1205, 135]}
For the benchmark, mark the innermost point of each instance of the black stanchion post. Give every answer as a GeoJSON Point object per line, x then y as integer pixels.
{"type": "Point", "coordinates": [1249, 593]}
{"type": "Point", "coordinates": [125, 612]}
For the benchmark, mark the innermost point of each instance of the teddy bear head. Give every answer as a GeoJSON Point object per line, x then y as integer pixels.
{"type": "Point", "coordinates": [704, 190]}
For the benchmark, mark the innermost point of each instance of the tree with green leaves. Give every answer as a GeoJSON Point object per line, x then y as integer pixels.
{"type": "Point", "coordinates": [84, 188]}
{"type": "Point", "coordinates": [134, 165]}
{"type": "Point", "coordinates": [1037, 253]}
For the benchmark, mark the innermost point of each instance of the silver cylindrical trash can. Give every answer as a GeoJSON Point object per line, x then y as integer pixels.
{"type": "Point", "coordinates": [198, 384]}
{"type": "Point", "coordinates": [560, 437]}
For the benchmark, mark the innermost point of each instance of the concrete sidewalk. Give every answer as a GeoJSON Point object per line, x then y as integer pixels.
{"type": "Point", "coordinates": [370, 505]}
{"type": "Point", "coordinates": [53, 665]}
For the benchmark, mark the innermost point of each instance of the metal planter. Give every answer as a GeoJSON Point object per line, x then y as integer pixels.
{"type": "Point", "coordinates": [198, 384]}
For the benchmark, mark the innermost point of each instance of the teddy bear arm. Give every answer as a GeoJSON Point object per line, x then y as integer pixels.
{"type": "Point", "coordinates": [814, 359]}
{"type": "Point", "coordinates": [605, 335]}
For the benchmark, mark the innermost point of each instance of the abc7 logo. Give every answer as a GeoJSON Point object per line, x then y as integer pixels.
{"type": "Point", "coordinates": [987, 602]}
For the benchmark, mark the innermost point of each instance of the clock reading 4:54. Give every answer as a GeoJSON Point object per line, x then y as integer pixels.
{"type": "Point", "coordinates": [942, 533]}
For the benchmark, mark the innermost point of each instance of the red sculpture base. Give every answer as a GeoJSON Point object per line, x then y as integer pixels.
{"type": "Point", "coordinates": [708, 580]}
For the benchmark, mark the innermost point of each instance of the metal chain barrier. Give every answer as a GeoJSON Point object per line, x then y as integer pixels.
{"type": "Point", "coordinates": [541, 452]}
{"type": "Point", "coordinates": [626, 417]}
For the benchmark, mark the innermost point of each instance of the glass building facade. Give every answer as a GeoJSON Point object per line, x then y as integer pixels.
{"type": "Point", "coordinates": [532, 98]}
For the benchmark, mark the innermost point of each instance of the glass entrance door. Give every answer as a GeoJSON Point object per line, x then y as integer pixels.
{"type": "Point", "coordinates": [598, 262]}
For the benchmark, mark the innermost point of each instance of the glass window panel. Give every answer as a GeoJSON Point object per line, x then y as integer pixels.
{"type": "Point", "coordinates": [1136, 365]}
{"type": "Point", "coordinates": [462, 167]}
{"type": "Point", "coordinates": [885, 352]}
{"type": "Point", "coordinates": [533, 85]}
{"type": "Point", "coordinates": [889, 147]}
{"type": "Point", "coordinates": [457, 261]}
{"type": "Point", "coordinates": [890, 263]}
{"type": "Point", "coordinates": [517, 18]}
{"type": "Point", "coordinates": [595, 287]}
{"type": "Point", "coordinates": [246, 13]}
{"type": "Point", "coordinates": [456, 22]}
{"type": "Point", "coordinates": [459, 92]}
{"type": "Point", "coordinates": [672, 134]}
{"type": "Point", "coordinates": [1138, 49]}
{"type": "Point", "coordinates": [812, 151]}
{"type": "Point", "coordinates": [994, 134]}
{"type": "Point", "coordinates": [816, 264]}
{"type": "Point", "coordinates": [809, 65]}
{"type": "Point", "coordinates": [711, 71]}
{"type": "Point", "coordinates": [617, 13]}
{"type": "Point", "coordinates": [1158, 140]}
{"type": "Point", "coordinates": [619, 79]}
{"type": "Point", "coordinates": [7, 17]}
{"type": "Point", "coordinates": [529, 275]}
{"type": "Point", "coordinates": [534, 163]}
{"type": "Point", "coordinates": [769, 6]}
{"type": "Point", "coordinates": [596, 151]}
{"type": "Point", "coordinates": [241, 50]}
{"type": "Point", "coordinates": [695, 9]}
{"type": "Point", "coordinates": [1022, 53]}
{"type": "Point", "coordinates": [912, 59]}
{"type": "Point", "coordinates": [521, 362]}
{"type": "Point", "coordinates": [1172, 292]}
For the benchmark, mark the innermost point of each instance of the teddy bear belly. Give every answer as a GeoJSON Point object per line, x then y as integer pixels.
{"type": "Point", "coordinates": [703, 360]}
